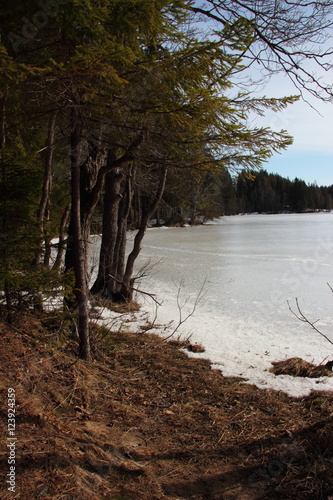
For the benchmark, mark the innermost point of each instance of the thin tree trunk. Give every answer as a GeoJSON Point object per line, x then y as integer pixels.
{"type": "Point", "coordinates": [3, 121]}
{"type": "Point", "coordinates": [43, 209]}
{"type": "Point", "coordinates": [90, 196]}
{"type": "Point", "coordinates": [136, 212]}
{"type": "Point", "coordinates": [62, 238]}
{"type": "Point", "coordinates": [92, 184]}
{"type": "Point", "coordinates": [158, 217]}
{"type": "Point", "coordinates": [48, 251]}
{"type": "Point", "coordinates": [120, 250]}
{"type": "Point", "coordinates": [126, 291]}
{"type": "Point", "coordinates": [79, 253]}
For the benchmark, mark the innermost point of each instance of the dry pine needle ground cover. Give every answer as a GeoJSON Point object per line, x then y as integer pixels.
{"type": "Point", "coordinates": [145, 422]}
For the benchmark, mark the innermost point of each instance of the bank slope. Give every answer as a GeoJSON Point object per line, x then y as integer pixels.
{"type": "Point", "coordinates": [144, 421]}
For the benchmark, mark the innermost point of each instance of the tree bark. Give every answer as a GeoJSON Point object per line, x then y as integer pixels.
{"type": "Point", "coordinates": [117, 204]}
{"type": "Point", "coordinates": [62, 238]}
{"type": "Point", "coordinates": [3, 121]}
{"type": "Point", "coordinates": [124, 212]}
{"type": "Point", "coordinates": [8, 295]}
{"type": "Point", "coordinates": [89, 172]}
{"type": "Point", "coordinates": [114, 279]}
{"type": "Point", "coordinates": [43, 209]}
{"type": "Point", "coordinates": [78, 243]}
{"type": "Point", "coordinates": [105, 285]}
{"type": "Point", "coordinates": [127, 281]}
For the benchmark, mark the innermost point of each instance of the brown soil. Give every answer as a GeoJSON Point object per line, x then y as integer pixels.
{"type": "Point", "coordinates": [145, 422]}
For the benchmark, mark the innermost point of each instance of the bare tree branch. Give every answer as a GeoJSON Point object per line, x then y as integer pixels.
{"type": "Point", "coordinates": [151, 295]}
{"type": "Point", "coordinates": [287, 36]}
{"type": "Point", "coordinates": [301, 317]}
{"type": "Point", "coordinates": [180, 306]}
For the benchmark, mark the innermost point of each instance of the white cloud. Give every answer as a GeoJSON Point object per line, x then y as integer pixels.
{"type": "Point", "coordinates": [311, 128]}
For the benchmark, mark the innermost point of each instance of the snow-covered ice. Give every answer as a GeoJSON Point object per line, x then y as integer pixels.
{"type": "Point", "coordinates": [249, 267]}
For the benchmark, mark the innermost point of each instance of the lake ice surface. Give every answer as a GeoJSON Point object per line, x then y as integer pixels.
{"type": "Point", "coordinates": [251, 266]}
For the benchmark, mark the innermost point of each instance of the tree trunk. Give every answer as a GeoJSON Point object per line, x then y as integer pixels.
{"type": "Point", "coordinates": [127, 281]}
{"type": "Point", "coordinates": [48, 251]}
{"type": "Point", "coordinates": [136, 214]}
{"type": "Point", "coordinates": [78, 243]}
{"type": "Point", "coordinates": [104, 284]}
{"type": "Point", "coordinates": [3, 121]}
{"type": "Point", "coordinates": [43, 209]}
{"type": "Point", "coordinates": [62, 238]}
{"type": "Point", "coordinates": [117, 205]}
{"type": "Point", "coordinates": [176, 218]}
{"type": "Point", "coordinates": [120, 250]}
{"type": "Point", "coordinates": [91, 185]}
{"type": "Point", "coordinates": [89, 195]}
{"type": "Point", "coordinates": [158, 217]}
{"type": "Point", "coordinates": [90, 171]}
{"type": "Point", "coordinates": [8, 294]}
{"type": "Point", "coordinates": [94, 170]}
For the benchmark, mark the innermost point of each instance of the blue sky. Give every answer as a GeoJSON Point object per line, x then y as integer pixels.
{"type": "Point", "coordinates": [310, 158]}
{"type": "Point", "coordinates": [310, 166]}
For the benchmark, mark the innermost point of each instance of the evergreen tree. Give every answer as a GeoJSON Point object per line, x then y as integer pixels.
{"type": "Point", "coordinates": [104, 93]}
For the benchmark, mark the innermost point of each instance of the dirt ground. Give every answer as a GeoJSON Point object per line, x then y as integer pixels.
{"type": "Point", "coordinates": [145, 422]}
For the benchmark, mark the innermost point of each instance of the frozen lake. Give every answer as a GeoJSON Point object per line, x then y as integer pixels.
{"type": "Point", "coordinates": [252, 266]}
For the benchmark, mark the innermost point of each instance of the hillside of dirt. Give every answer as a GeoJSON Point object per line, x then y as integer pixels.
{"type": "Point", "coordinates": [145, 422]}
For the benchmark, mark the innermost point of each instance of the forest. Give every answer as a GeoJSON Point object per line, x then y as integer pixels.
{"type": "Point", "coordinates": [221, 194]}
{"type": "Point", "coordinates": [272, 193]}
{"type": "Point", "coordinates": [114, 112]}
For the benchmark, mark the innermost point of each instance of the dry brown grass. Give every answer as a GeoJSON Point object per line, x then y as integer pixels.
{"type": "Point", "coordinates": [298, 367]}
{"type": "Point", "coordinates": [186, 344]}
{"type": "Point", "coordinates": [121, 308]}
{"type": "Point", "coordinates": [145, 422]}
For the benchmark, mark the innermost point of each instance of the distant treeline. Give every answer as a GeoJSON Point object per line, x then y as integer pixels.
{"type": "Point", "coordinates": [223, 194]}
{"type": "Point", "coordinates": [272, 193]}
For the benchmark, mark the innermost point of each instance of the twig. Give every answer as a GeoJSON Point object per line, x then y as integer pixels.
{"type": "Point", "coordinates": [152, 323]}
{"type": "Point", "coordinates": [182, 320]}
{"type": "Point", "coordinates": [304, 319]}
{"type": "Point", "coordinates": [151, 295]}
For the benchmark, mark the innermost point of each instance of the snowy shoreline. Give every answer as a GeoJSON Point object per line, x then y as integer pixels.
{"type": "Point", "coordinates": [251, 265]}
{"type": "Point", "coordinates": [251, 364]}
